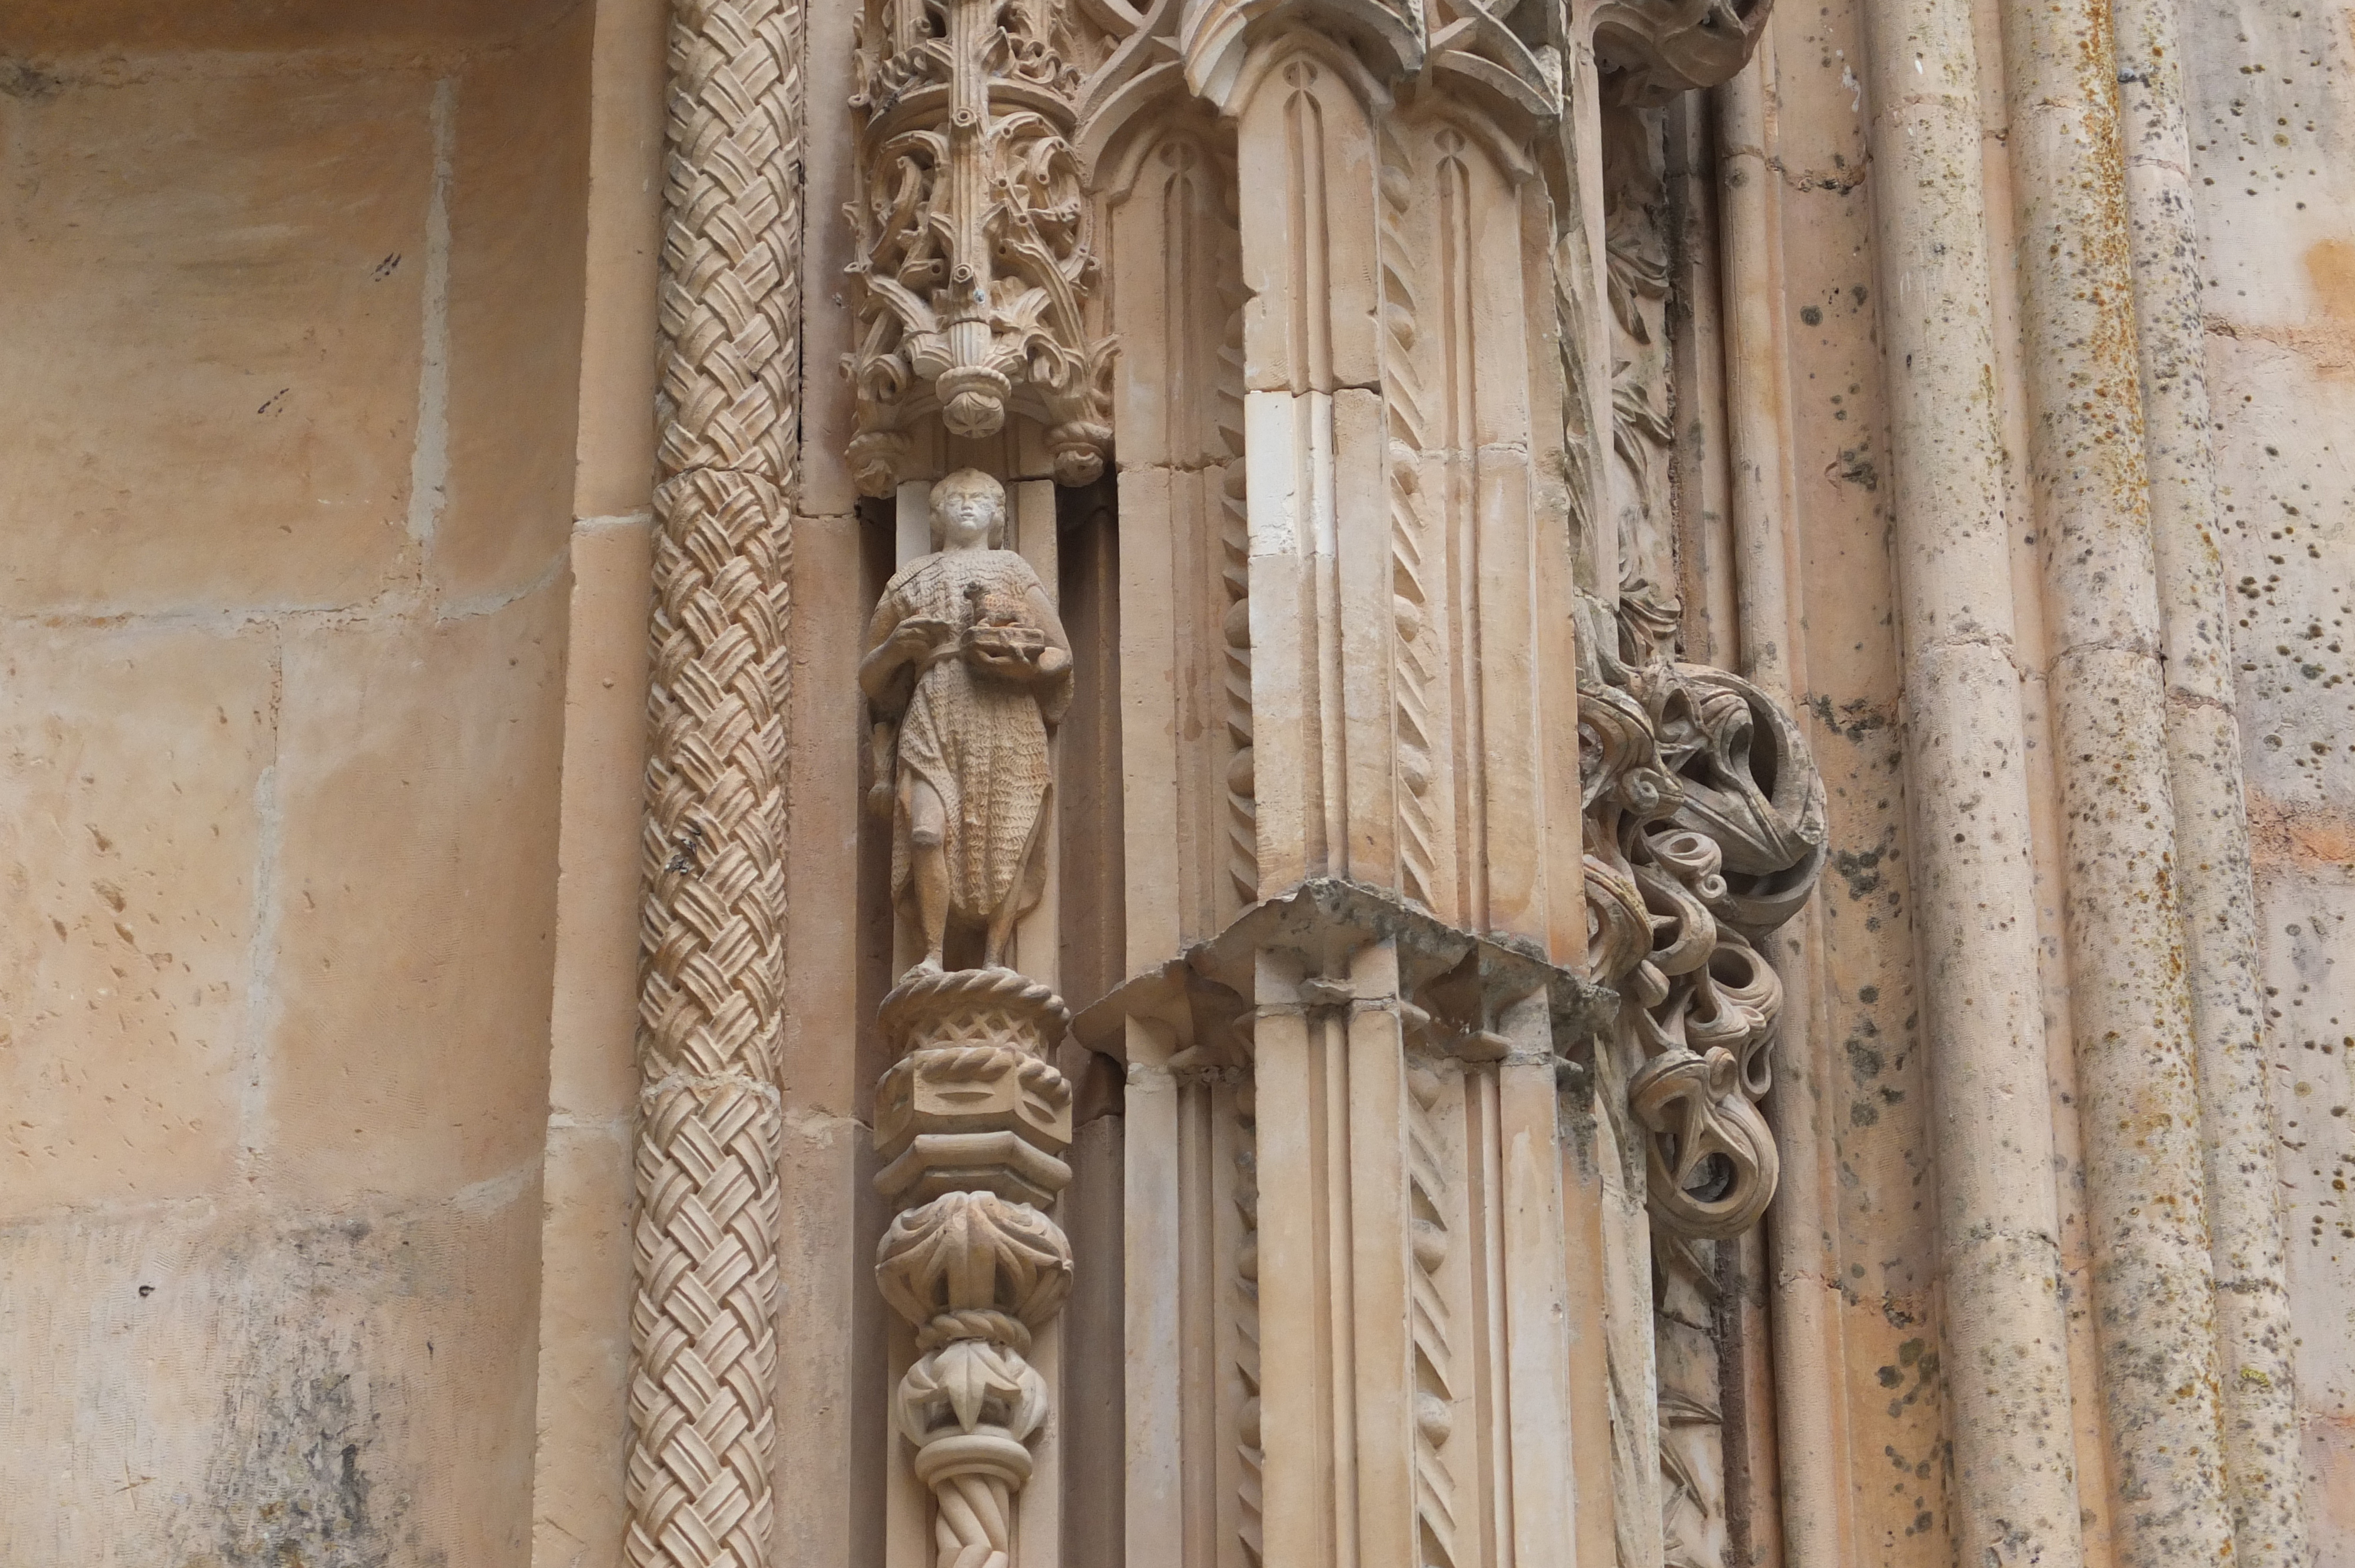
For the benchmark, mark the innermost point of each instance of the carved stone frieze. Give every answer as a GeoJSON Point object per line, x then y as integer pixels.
{"type": "Point", "coordinates": [974, 234]}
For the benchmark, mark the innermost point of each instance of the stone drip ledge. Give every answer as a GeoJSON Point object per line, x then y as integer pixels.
{"type": "Point", "coordinates": [1452, 984]}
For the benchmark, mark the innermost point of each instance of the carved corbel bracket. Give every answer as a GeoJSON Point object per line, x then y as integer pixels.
{"type": "Point", "coordinates": [1468, 981]}
{"type": "Point", "coordinates": [1651, 51]}
{"type": "Point", "coordinates": [974, 234]}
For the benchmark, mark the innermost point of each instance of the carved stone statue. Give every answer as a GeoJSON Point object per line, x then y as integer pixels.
{"type": "Point", "coordinates": [968, 669]}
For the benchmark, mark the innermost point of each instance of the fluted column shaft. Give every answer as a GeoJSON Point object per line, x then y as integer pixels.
{"type": "Point", "coordinates": [2262, 1473]}
{"type": "Point", "coordinates": [2154, 1290]}
{"type": "Point", "coordinates": [2007, 1366]}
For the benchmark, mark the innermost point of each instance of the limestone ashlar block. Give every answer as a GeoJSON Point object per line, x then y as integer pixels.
{"type": "Point", "coordinates": [415, 899]}
{"type": "Point", "coordinates": [52, 28]}
{"type": "Point", "coordinates": [593, 1070]}
{"type": "Point", "coordinates": [136, 766]}
{"type": "Point", "coordinates": [210, 1382]}
{"type": "Point", "coordinates": [518, 194]}
{"type": "Point", "coordinates": [214, 321]}
{"type": "Point", "coordinates": [583, 1409]}
{"type": "Point", "coordinates": [629, 76]}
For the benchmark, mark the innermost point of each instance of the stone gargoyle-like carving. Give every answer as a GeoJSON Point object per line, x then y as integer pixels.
{"type": "Point", "coordinates": [1706, 831]}
{"type": "Point", "coordinates": [972, 225]}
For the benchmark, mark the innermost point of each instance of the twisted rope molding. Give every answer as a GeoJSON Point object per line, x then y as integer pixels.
{"type": "Point", "coordinates": [702, 1319]}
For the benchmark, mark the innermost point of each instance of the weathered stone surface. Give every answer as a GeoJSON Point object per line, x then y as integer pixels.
{"type": "Point", "coordinates": [218, 299]}
{"type": "Point", "coordinates": [219, 1382]}
{"type": "Point", "coordinates": [143, 790]}
{"type": "Point", "coordinates": [1972, 378]}
{"type": "Point", "coordinates": [413, 908]}
{"type": "Point", "coordinates": [513, 321]}
{"type": "Point", "coordinates": [283, 802]}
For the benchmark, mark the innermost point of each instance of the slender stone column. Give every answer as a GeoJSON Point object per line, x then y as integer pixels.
{"type": "Point", "coordinates": [2262, 1473]}
{"type": "Point", "coordinates": [703, 1349]}
{"type": "Point", "coordinates": [2153, 1285]}
{"type": "Point", "coordinates": [1804, 1322]}
{"type": "Point", "coordinates": [2007, 1363]}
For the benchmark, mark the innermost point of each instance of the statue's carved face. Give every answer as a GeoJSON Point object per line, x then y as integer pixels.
{"type": "Point", "coordinates": [968, 511]}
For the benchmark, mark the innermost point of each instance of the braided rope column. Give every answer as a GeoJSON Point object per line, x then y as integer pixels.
{"type": "Point", "coordinates": [702, 1323]}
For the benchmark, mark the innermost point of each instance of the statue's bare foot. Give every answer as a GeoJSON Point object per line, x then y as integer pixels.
{"type": "Point", "coordinates": [930, 964]}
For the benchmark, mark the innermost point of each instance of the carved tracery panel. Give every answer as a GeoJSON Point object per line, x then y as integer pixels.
{"type": "Point", "coordinates": [975, 233]}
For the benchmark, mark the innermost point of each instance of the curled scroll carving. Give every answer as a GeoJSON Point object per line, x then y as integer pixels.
{"type": "Point", "coordinates": [1706, 831]}
{"type": "Point", "coordinates": [1651, 51]}
{"type": "Point", "coordinates": [973, 229]}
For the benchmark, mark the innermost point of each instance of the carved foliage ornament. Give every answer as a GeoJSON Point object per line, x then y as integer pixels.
{"type": "Point", "coordinates": [973, 234]}
{"type": "Point", "coordinates": [1705, 831]}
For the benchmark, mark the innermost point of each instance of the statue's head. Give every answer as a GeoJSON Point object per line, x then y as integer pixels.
{"type": "Point", "coordinates": [968, 511]}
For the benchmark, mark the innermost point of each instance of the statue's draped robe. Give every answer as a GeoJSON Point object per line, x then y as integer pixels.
{"type": "Point", "coordinates": [980, 742]}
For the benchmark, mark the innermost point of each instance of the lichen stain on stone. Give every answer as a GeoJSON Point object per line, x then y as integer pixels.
{"type": "Point", "coordinates": [1860, 869]}
{"type": "Point", "coordinates": [2330, 268]}
{"type": "Point", "coordinates": [312, 1444]}
{"type": "Point", "coordinates": [294, 1484]}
